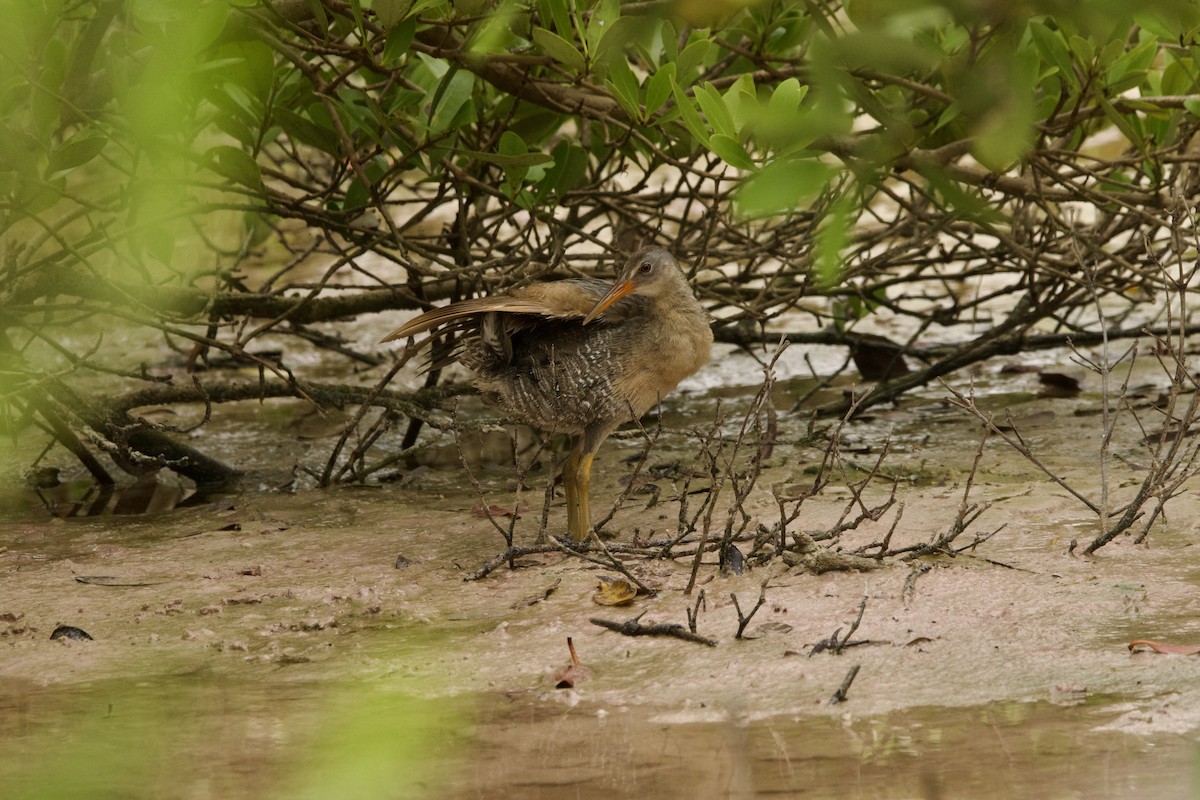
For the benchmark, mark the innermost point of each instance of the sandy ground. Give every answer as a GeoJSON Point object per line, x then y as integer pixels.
{"type": "Point", "coordinates": [304, 589]}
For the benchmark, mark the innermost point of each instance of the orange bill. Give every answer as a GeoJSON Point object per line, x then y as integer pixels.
{"type": "Point", "coordinates": [618, 291]}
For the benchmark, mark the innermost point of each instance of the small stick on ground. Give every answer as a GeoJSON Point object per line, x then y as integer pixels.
{"type": "Point", "coordinates": [840, 695]}
{"type": "Point", "coordinates": [842, 644]}
{"type": "Point", "coordinates": [836, 643]}
{"type": "Point", "coordinates": [744, 619]}
{"type": "Point", "coordinates": [693, 613]}
{"type": "Point", "coordinates": [910, 583]}
{"type": "Point", "coordinates": [632, 627]}
{"type": "Point", "coordinates": [510, 555]}
{"type": "Point", "coordinates": [574, 655]}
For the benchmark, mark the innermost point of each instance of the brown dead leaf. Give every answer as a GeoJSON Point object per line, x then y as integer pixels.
{"type": "Point", "coordinates": [1161, 647]}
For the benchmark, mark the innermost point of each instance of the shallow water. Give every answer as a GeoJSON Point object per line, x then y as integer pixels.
{"type": "Point", "coordinates": [197, 736]}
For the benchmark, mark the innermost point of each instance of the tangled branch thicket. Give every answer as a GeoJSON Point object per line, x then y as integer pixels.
{"type": "Point", "coordinates": [243, 180]}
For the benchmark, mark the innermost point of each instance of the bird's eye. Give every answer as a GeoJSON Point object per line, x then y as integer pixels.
{"type": "Point", "coordinates": [645, 267]}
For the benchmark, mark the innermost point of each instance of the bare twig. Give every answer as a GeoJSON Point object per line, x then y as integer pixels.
{"type": "Point", "coordinates": [693, 613]}
{"type": "Point", "coordinates": [633, 627]}
{"type": "Point", "coordinates": [840, 695]}
{"type": "Point", "coordinates": [744, 619]}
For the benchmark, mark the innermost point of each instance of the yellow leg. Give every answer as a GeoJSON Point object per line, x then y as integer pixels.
{"type": "Point", "coordinates": [583, 483]}
{"type": "Point", "coordinates": [569, 473]}
{"type": "Point", "coordinates": [577, 478]}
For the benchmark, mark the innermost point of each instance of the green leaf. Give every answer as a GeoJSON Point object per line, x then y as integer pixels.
{"type": "Point", "coordinates": [1131, 65]}
{"type": "Point", "coordinates": [615, 35]}
{"type": "Point", "coordinates": [718, 115]}
{"type": "Point", "coordinates": [786, 98]}
{"type": "Point", "coordinates": [691, 119]}
{"type": "Point", "coordinates": [731, 151]}
{"type": "Point", "coordinates": [624, 85]}
{"type": "Point", "coordinates": [391, 12]}
{"type": "Point", "coordinates": [358, 195]}
{"type": "Point", "coordinates": [690, 59]}
{"type": "Point", "coordinates": [570, 166]}
{"type": "Point", "coordinates": [557, 11]}
{"type": "Point", "coordinates": [670, 41]}
{"type": "Point", "coordinates": [494, 34]}
{"type": "Point", "coordinates": [1084, 51]}
{"type": "Point", "coordinates": [559, 49]}
{"type": "Point", "coordinates": [452, 94]}
{"type": "Point", "coordinates": [398, 40]}
{"type": "Point", "coordinates": [604, 19]}
{"type": "Point", "coordinates": [1127, 125]}
{"type": "Point", "coordinates": [742, 101]}
{"type": "Point", "coordinates": [510, 160]}
{"type": "Point", "coordinates": [305, 131]}
{"type": "Point", "coordinates": [658, 87]}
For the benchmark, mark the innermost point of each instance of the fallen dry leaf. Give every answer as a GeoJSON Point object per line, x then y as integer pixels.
{"type": "Point", "coordinates": [1160, 647]}
{"type": "Point", "coordinates": [614, 592]}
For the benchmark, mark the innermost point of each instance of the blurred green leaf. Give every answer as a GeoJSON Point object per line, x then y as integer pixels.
{"type": "Point", "coordinates": [233, 163]}
{"type": "Point", "coordinates": [833, 235]}
{"type": "Point", "coordinates": [1054, 50]}
{"type": "Point", "coordinates": [1082, 49]}
{"type": "Point", "coordinates": [782, 186]}
{"type": "Point", "coordinates": [75, 152]}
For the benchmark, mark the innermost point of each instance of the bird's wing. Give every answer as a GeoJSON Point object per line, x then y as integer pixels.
{"type": "Point", "coordinates": [567, 299]}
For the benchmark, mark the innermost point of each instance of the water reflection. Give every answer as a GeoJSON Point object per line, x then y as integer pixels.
{"type": "Point", "coordinates": [207, 736]}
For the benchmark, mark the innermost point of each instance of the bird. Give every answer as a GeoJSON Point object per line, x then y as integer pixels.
{"type": "Point", "coordinates": [578, 356]}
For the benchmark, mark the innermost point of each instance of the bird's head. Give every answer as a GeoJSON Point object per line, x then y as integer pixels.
{"type": "Point", "coordinates": [649, 272]}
